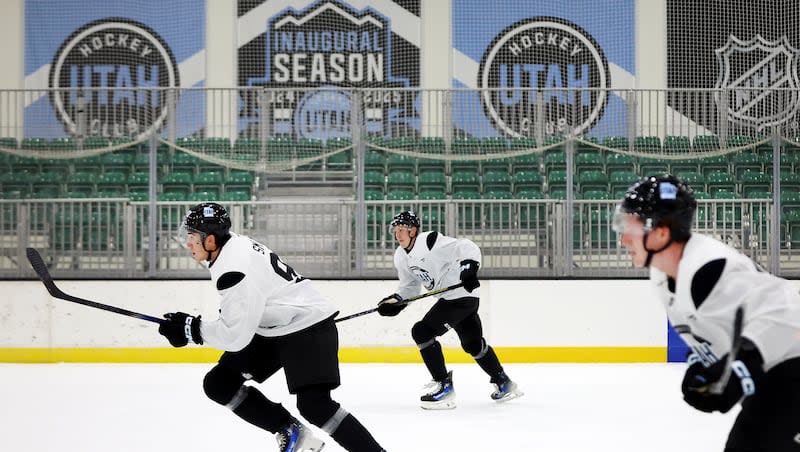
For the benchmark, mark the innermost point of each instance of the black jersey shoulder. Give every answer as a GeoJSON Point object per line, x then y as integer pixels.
{"type": "Point", "coordinates": [705, 279]}
{"type": "Point", "coordinates": [431, 240]}
{"type": "Point", "coordinates": [228, 280]}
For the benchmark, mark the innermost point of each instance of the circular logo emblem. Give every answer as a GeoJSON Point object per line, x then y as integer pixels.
{"type": "Point", "coordinates": [324, 115]}
{"type": "Point", "coordinates": [106, 76]}
{"type": "Point", "coordinates": [544, 66]}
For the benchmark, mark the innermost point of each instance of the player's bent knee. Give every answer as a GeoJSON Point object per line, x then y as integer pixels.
{"type": "Point", "coordinates": [475, 348]}
{"type": "Point", "coordinates": [316, 406]}
{"type": "Point", "coordinates": [422, 333]}
{"type": "Point", "coordinates": [222, 385]}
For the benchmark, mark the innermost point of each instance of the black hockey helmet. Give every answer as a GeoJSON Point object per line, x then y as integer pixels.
{"type": "Point", "coordinates": [663, 200]}
{"type": "Point", "coordinates": [408, 218]}
{"type": "Point", "coordinates": [207, 218]}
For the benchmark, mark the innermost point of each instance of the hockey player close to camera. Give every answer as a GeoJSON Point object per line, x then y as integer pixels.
{"type": "Point", "coordinates": [702, 282]}
{"type": "Point", "coordinates": [436, 261]}
{"type": "Point", "coordinates": [270, 318]}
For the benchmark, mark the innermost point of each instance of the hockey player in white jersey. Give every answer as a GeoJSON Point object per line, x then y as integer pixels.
{"type": "Point", "coordinates": [436, 261]}
{"type": "Point", "coordinates": [702, 282]}
{"type": "Point", "coordinates": [270, 318]}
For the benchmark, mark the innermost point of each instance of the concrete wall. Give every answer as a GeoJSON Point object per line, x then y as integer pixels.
{"type": "Point", "coordinates": [526, 321]}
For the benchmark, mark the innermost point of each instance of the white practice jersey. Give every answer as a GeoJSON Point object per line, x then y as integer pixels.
{"type": "Point", "coordinates": [713, 280]}
{"type": "Point", "coordinates": [434, 262]}
{"type": "Point", "coordinates": [259, 295]}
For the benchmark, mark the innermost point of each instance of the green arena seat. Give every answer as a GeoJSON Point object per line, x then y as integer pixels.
{"type": "Point", "coordinates": [719, 180]}
{"type": "Point", "coordinates": [705, 143]}
{"type": "Point", "coordinates": [340, 161]}
{"type": "Point", "coordinates": [496, 165]}
{"type": "Point", "coordinates": [647, 144]}
{"type": "Point", "coordinates": [204, 195]}
{"type": "Point", "coordinates": [401, 180]}
{"type": "Point", "coordinates": [652, 167]}
{"type": "Point", "coordinates": [430, 165]}
{"type": "Point", "coordinates": [616, 142]}
{"type": "Point", "coordinates": [432, 194]}
{"type": "Point", "coordinates": [432, 180]}
{"type": "Point", "coordinates": [745, 161]}
{"type": "Point", "coordinates": [620, 162]}
{"type": "Point", "coordinates": [695, 179]}
{"type": "Point", "coordinates": [755, 181]}
{"type": "Point", "coordinates": [592, 180]}
{"type": "Point", "coordinates": [527, 179]}
{"type": "Point", "coordinates": [684, 166]}
{"type": "Point", "coordinates": [621, 180]}
{"type": "Point", "coordinates": [465, 179]}
{"type": "Point", "coordinates": [399, 195]}
{"type": "Point", "coordinates": [371, 194]}
{"type": "Point", "coordinates": [589, 161]}
{"type": "Point", "coordinates": [555, 161]}
{"type": "Point", "coordinates": [525, 162]}
{"type": "Point", "coordinates": [715, 163]}
{"type": "Point", "coordinates": [679, 143]}
{"type": "Point", "coordinates": [496, 180]}
{"type": "Point", "coordinates": [400, 162]}
{"type": "Point", "coordinates": [374, 161]}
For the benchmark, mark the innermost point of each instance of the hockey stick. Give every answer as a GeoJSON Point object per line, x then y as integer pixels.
{"type": "Point", "coordinates": [407, 300]}
{"type": "Point", "coordinates": [736, 342]}
{"type": "Point", "coordinates": [41, 269]}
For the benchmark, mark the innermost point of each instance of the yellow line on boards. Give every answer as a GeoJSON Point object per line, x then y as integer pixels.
{"type": "Point", "coordinates": [346, 355]}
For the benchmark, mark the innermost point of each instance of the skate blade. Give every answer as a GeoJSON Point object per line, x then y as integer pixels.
{"type": "Point", "coordinates": [311, 445]}
{"type": "Point", "coordinates": [440, 405]}
{"type": "Point", "coordinates": [510, 396]}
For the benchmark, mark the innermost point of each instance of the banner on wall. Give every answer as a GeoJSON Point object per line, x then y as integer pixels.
{"type": "Point", "coordinates": [93, 45]}
{"type": "Point", "coordinates": [333, 45]}
{"type": "Point", "coordinates": [747, 50]}
{"type": "Point", "coordinates": [508, 49]}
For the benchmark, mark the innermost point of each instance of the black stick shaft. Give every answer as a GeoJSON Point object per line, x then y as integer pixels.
{"type": "Point", "coordinates": [407, 300]}
{"type": "Point", "coordinates": [736, 343]}
{"type": "Point", "coordinates": [40, 268]}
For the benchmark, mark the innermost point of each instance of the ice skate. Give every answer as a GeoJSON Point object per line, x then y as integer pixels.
{"type": "Point", "coordinates": [441, 396]}
{"type": "Point", "coordinates": [296, 437]}
{"type": "Point", "coordinates": [505, 390]}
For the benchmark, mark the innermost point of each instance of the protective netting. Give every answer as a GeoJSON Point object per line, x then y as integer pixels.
{"type": "Point", "coordinates": [746, 53]}
{"type": "Point", "coordinates": [315, 77]}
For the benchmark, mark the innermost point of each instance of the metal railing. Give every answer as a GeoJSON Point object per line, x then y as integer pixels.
{"type": "Point", "coordinates": [96, 238]}
{"type": "Point", "coordinates": [243, 128]}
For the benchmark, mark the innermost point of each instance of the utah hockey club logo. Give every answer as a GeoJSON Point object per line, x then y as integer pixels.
{"type": "Point", "coordinates": [329, 44]}
{"type": "Point", "coordinates": [760, 80]}
{"type": "Point", "coordinates": [112, 53]}
{"type": "Point", "coordinates": [547, 53]}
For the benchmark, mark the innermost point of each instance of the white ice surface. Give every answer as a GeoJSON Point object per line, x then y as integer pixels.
{"type": "Point", "coordinates": [162, 407]}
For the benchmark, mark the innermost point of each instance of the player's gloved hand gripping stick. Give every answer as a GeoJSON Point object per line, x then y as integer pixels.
{"type": "Point", "coordinates": [403, 302]}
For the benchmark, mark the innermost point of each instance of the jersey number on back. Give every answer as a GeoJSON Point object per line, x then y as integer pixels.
{"type": "Point", "coordinates": [284, 271]}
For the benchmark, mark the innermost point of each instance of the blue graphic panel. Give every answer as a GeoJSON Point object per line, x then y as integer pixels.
{"type": "Point", "coordinates": [542, 44]}
{"type": "Point", "coordinates": [97, 44]}
{"type": "Point", "coordinates": [677, 350]}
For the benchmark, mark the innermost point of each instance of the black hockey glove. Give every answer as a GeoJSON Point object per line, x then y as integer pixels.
{"type": "Point", "coordinates": [180, 328]}
{"type": "Point", "coordinates": [746, 371]}
{"type": "Point", "coordinates": [469, 274]}
{"type": "Point", "coordinates": [391, 305]}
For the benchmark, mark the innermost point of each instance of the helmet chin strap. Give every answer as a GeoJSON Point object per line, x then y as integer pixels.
{"type": "Point", "coordinates": [208, 259]}
{"type": "Point", "coordinates": [651, 253]}
{"type": "Point", "coordinates": [411, 243]}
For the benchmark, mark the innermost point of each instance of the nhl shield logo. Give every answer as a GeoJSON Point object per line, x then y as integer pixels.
{"type": "Point", "coordinates": [759, 80]}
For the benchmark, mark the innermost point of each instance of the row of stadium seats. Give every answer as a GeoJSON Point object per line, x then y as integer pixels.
{"type": "Point", "coordinates": [113, 184]}
{"type": "Point", "coordinates": [640, 143]}
{"type": "Point", "coordinates": [750, 184]}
